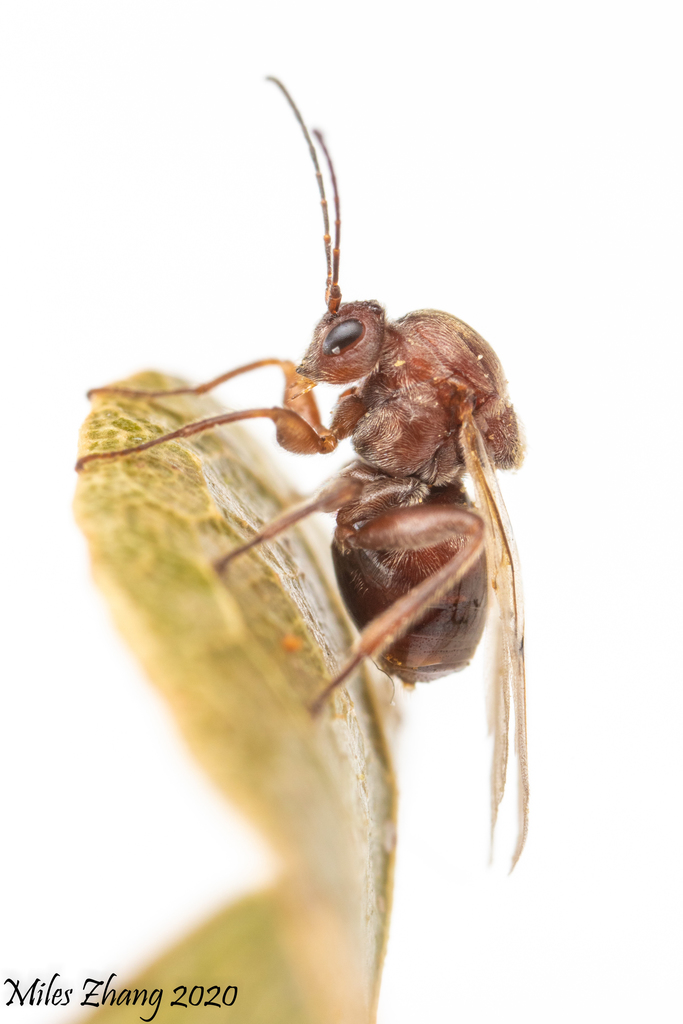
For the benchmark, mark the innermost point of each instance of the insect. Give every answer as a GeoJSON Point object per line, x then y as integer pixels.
{"type": "Point", "coordinates": [425, 404]}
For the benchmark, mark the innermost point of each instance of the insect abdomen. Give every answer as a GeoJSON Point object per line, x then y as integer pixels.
{"type": "Point", "coordinates": [445, 638]}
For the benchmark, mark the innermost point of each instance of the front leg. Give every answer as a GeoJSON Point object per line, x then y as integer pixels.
{"type": "Point", "coordinates": [298, 394]}
{"type": "Point", "coordinates": [298, 425]}
{"type": "Point", "coordinates": [293, 433]}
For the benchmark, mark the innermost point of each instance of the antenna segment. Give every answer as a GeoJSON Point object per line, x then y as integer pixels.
{"type": "Point", "coordinates": [332, 291]}
{"type": "Point", "coordinates": [333, 294]}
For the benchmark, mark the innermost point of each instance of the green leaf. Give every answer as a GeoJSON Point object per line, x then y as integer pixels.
{"type": "Point", "coordinates": [239, 659]}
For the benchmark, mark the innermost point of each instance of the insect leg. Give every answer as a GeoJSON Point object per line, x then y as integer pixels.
{"type": "Point", "coordinates": [297, 389]}
{"type": "Point", "coordinates": [335, 494]}
{"type": "Point", "coordinates": [293, 433]}
{"type": "Point", "coordinates": [409, 529]}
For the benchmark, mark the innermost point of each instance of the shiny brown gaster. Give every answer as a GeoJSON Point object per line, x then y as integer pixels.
{"type": "Point", "coordinates": [418, 559]}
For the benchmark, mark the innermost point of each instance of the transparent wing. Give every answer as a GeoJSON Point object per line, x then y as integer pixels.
{"type": "Point", "coordinates": [507, 677]}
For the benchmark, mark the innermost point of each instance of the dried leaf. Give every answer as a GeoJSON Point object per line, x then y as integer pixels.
{"type": "Point", "coordinates": [239, 660]}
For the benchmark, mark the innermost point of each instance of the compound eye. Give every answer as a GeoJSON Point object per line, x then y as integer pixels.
{"type": "Point", "coordinates": [341, 336]}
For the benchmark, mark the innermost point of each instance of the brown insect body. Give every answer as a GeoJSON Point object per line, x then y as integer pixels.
{"type": "Point", "coordinates": [404, 417]}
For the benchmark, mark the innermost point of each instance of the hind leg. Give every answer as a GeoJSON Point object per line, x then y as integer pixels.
{"type": "Point", "coordinates": [409, 529]}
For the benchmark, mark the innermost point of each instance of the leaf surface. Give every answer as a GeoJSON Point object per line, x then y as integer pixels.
{"type": "Point", "coordinates": [239, 659]}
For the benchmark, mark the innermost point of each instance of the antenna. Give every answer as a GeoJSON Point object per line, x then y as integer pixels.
{"type": "Point", "coordinates": [332, 292]}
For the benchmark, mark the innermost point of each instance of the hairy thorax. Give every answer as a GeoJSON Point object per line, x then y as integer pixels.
{"type": "Point", "coordinates": [431, 367]}
{"type": "Point", "coordinates": [411, 433]}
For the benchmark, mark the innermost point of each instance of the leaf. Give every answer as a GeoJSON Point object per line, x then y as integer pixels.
{"type": "Point", "coordinates": [239, 659]}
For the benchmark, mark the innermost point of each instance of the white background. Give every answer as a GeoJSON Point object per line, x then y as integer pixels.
{"type": "Point", "coordinates": [515, 164]}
